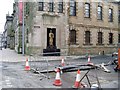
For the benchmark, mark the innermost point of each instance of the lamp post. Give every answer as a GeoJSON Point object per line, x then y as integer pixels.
{"type": "Point", "coordinates": [68, 36]}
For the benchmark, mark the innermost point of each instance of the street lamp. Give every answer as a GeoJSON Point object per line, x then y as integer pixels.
{"type": "Point", "coordinates": [68, 10]}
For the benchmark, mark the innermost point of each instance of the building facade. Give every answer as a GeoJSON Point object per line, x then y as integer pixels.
{"type": "Point", "coordinates": [9, 32]}
{"type": "Point", "coordinates": [77, 27]}
{"type": "Point", "coordinates": [17, 26]}
{"type": "Point", "coordinates": [4, 39]}
{"type": "Point", "coordinates": [119, 22]}
{"type": "Point", "coordinates": [96, 28]}
{"type": "Point", "coordinates": [40, 21]}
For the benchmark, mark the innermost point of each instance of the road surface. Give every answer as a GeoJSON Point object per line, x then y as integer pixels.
{"type": "Point", "coordinates": [15, 76]}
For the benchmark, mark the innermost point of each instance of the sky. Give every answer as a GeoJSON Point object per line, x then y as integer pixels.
{"type": "Point", "coordinates": [5, 7]}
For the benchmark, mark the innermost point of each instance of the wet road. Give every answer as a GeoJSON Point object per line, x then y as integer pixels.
{"type": "Point", "coordinates": [14, 75]}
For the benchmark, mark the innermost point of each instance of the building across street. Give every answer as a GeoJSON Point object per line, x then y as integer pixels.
{"type": "Point", "coordinates": [64, 28]}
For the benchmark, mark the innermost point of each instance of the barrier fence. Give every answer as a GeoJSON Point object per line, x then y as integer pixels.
{"type": "Point", "coordinates": [39, 62]}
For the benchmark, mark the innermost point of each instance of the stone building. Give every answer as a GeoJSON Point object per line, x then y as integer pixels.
{"type": "Point", "coordinates": [4, 39]}
{"type": "Point", "coordinates": [95, 25]}
{"type": "Point", "coordinates": [78, 27]}
{"type": "Point", "coordinates": [119, 22]}
{"type": "Point", "coordinates": [17, 29]}
{"type": "Point", "coordinates": [43, 17]}
{"type": "Point", "coordinates": [9, 32]}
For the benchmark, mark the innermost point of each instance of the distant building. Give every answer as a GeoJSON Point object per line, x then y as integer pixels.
{"type": "Point", "coordinates": [9, 32]}
{"type": "Point", "coordinates": [17, 26]}
{"type": "Point", "coordinates": [78, 27]}
{"type": "Point", "coordinates": [4, 39]}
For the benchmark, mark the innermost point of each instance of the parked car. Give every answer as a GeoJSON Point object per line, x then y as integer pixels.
{"type": "Point", "coordinates": [114, 54]}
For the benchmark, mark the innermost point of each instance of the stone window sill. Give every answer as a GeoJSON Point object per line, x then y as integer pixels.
{"type": "Point", "coordinates": [88, 44]}
{"type": "Point", "coordinates": [99, 44]}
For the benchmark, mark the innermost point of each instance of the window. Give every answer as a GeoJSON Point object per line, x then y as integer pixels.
{"type": "Point", "coordinates": [100, 37]}
{"type": "Point", "coordinates": [87, 10]}
{"type": "Point", "coordinates": [27, 41]}
{"type": "Point", "coordinates": [40, 5]}
{"type": "Point", "coordinates": [118, 38]}
{"type": "Point", "coordinates": [99, 12]}
{"type": "Point", "coordinates": [72, 37]}
{"type": "Point", "coordinates": [60, 6]}
{"type": "Point", "coordinates": [27, 8]}
{"type": "Point", "coordinates": [110, 38]}
{"type": "Point", "coordinates": [51, 6]}
{"type": "Point", "coordinates": [119, 16]}
{"type": "Point", "coordinates": [72, 8]}
{"type": "Point", "coordinates": [110, 15]}
{"type": "Point", "coordinates": [87, 37]}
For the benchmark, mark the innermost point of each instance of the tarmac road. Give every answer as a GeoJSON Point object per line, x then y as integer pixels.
{"type": "Point", "coordinates": [14, 75]}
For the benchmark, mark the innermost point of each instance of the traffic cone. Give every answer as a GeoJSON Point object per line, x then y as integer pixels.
{"type": "Point", "coordinates": [77, 83]}
{"type": "Point", "coordinates": [57, 81]}
{"type": "Point", "coordinates": [62, 62]}
{"type": "Point", "coordinates": [56, 69]}
{"type": "Point", "coordinates": [27, 67]}
{"type": "Point", "coordinates": [89, 61]}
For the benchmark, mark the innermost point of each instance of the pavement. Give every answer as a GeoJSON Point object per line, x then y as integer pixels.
{"type": "Point", "coordinates": [8, 55]}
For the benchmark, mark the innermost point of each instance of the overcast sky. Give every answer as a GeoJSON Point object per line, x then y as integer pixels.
{"type": "Point", "coordinates": [5, 7]}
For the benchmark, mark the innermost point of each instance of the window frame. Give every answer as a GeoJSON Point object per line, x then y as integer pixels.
{"type": "Point", "coordinates": [110, 15]}
{"type": "Point", "coordinates": [72, 8]}
{"type": "Point", "coordinates": [118, 16]}
{"type": "Point", "coordinates": [51, 6]}
{"type": "Point", "coordinates": [27, 37]}
{"type": "Point", "coordinates": [110, 38]}
{"type": "Point", "coordinates": [118, 38]}
{"type": "Point", "coordinates": [72, 37]}
{"type": "Point", "coordinates": [100, 38]}
{"type": "Point", "coordinates": [60, 6]}
{"type": "Point", "coordinates": [87, 10]}
{"type": "Point", "coordinates": [87, 38]}
{"type": "Point", "coordinates": [99, 13]}
{"type": "Point", "coordinates": [41, 5]}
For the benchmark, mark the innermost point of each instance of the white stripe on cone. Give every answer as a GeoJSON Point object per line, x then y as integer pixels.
{"type": "Point", "coordinates": [78, 77]}
{"type": "Point", "coordinates": [63, 63]}
{"type": "Point", "coordinates": [57, 81]}
{"type": "Point", "coordinates": [77, 83]}
{"type": "Point", "coordinates": [89, 59]}
{"type": "Point", "coordinates": [58, 75]}
{"type": "Point", "coordinates": [27, 67]}
{"type": "Point", "coordinates": [27, 64]}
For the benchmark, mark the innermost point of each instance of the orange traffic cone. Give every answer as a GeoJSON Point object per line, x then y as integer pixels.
{"type": "Point", "coordinates": [57, 81]}
{"type": "Point", "coordinates": [62, 62]}
{"type": "Point", "coordinates": [89, 61]}
{"type": "Point", "coordinates": [27, 67]}
{"type": "Point", "coordinates": [77, 82]}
